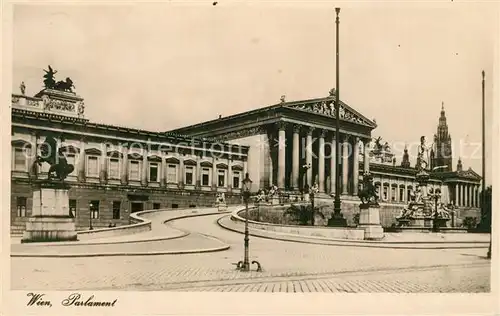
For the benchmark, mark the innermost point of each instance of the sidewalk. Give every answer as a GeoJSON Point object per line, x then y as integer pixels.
{"type": "Point", "coordinates": [162, 239]}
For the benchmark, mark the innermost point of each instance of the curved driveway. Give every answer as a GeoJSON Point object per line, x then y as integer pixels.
{"type": "Point", "coordinates": [282, 262]}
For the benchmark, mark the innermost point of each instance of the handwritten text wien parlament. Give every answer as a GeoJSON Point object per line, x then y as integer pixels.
{"type": "Point", "coordinates": [74, 299]}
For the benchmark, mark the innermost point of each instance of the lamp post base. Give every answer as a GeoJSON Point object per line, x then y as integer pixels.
{"type": "Point", "coordinates": [337, 219]}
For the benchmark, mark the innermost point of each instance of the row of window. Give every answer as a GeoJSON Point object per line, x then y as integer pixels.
{"type": "Point", "coordinates": [135, 170]}
{"type": "Point", "coordinates": [93, 208]}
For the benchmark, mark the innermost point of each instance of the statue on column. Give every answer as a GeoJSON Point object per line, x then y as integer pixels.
{"type": "Point", "coordinates": [422, 159]}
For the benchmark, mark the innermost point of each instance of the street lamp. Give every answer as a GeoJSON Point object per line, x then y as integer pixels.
{"type": "Point", "coordinates": [483, 200]}
{"type": "Point", "coordinates": [311, 192]}
{"type": "Point", "coordinates": [245, 264]}
{"type": "Point", "coordinates": [336, 202]}
{"type": "Point", "coordinates": [91, 209]}
{"type": "Point", "coordinates": [437, 196]}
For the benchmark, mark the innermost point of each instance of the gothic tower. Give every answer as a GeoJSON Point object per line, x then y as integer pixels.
{"type": "Point", "coordinates": [405, 163]}
{"type": "Point", "coordinates": [441, 155]}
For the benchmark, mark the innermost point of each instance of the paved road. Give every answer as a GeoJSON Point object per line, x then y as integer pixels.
{"type": "Point", "coordinates": [301, 267]}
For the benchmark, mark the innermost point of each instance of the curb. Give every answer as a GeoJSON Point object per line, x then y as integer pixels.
{"type": "Point", "coordinates": [115, 254]}
{"type": "Point", "coordinates": [346, 243]}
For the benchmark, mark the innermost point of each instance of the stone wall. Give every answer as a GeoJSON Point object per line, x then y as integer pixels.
{"type": "Point", "coordinates": [388, 213]}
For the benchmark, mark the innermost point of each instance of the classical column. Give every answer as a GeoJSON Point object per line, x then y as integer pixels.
{"type": "Point", "coordinates": [333, 165]}
{"type": "Point", "coordinates": [355, 172]}
{"type": "Point", "coordinates": [467, 195]}
{"type": "Point", "coordinates": [163, 173]}
{"type": "Point", "coordinates": [309, 155]}
{"type": "Point", "coordinates": [214, 173]}
{"type": "Point", "coordinates": [281, 154]}
{"type": "Point", "coordinates": [81, 161]}
{"type": "Point", "coordinates": [144, 174]}
{"type": "Point", "coordinates": [345, 164]}
{"type": "Point", "coordinates": [321, 162]}
{"type": "Point", "coordinates": [456, 198]}
{"type": "Point", "coordinates": [103, 174]}
{"type": "Point", "coordinates": [462, 195]}
{"type": "Point", "coordinates": [295, 157]}
{"type": "Point", "coordinates": [180, 176]}
{"type": "Point", "coordinates": [124, 165]}
{"type": "Point", "coordinates": [198, 170]}
{"type": "Point", "coordinates": [366, 155]}
{"type": "Point", "coordinates": [477, 196]}
{"type": "Point", "coordinates": [229, 183]}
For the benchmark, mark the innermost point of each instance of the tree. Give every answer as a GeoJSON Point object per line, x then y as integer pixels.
{"type": "Point", "coordinates": [301, 213]}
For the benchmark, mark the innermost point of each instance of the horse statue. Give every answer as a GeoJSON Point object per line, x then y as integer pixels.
{"type": "Point", "coordinates": [59, 167]}
{"type": "Point", "coordinates": [64, 85]}
{"type": "Point", "coordinates": [368, 194]}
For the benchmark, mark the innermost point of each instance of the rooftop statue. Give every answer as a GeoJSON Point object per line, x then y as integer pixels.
{"type": "Point", "coordinates": [50, 81]}
{"type": "Point", "coordinates": [55, 158]}
{"type": "Point", "coordinates": [22, 87]}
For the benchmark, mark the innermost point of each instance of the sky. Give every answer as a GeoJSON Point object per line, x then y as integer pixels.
{"type": "Point", "coordinates": [163, 66]}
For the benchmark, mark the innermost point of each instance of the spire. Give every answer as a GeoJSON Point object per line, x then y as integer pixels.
{"type": "Point", "coordinates": [405, 162]}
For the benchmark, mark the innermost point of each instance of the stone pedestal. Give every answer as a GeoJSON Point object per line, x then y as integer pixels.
{"type": "Point", "coordinates": [222, 207]}
{"type": "Point", "coordinates": [275, 200]}
{"type": "Point", "coordinates": [369, 220]}
{"type": "Point", "coordinates": [50, 220]}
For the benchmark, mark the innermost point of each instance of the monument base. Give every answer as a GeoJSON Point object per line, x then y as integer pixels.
{"type": "Point", "coordinates": [49, 229]}
{"type": "Point", "coordinates": [222, 207]}
{"type": "Point", "coordinates": [50, 220]}
{"type": "Point", "coordinates": [369, 220]}
{"type": "Point", "coordinates": [275, 200]}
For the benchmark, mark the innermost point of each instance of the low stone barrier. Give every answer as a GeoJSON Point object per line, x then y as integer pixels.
{"type": "Point", "coordinates": [314, 231]}
{"type": "Point", "coordinates": [139, 225]}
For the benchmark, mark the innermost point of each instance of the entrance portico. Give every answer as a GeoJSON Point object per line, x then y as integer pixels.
{"type": "Point", "coordinates": [286, 137]}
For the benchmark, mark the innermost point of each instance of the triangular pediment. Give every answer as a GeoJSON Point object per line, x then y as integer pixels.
{"type": "Point", "coordinates": [326, 107]}
{"type": "Point", "coordinates": [470, 174]}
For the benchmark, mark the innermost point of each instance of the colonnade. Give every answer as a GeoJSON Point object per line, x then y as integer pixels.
{"type": "Point", "coordinates": [349, 158]}
{"type": "Point", "coordinates": [466, 194]}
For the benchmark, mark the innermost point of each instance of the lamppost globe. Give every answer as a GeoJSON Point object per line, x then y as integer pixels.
{"type": "Point", "coordinates": [247, 186]}
{"type": "Point", "coordinates": [247, 183]}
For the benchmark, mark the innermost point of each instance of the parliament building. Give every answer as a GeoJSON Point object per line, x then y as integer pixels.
{"type": "Point", "coordinates": [120, 170]}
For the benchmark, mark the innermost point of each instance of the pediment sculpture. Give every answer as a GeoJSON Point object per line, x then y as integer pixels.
{"type": "Point", "coordinates": [325, 107]}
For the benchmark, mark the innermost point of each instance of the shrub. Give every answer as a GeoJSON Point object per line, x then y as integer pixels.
{"type": "Point", "coordinates": [470, 222]}
{"type": "Point", "coordinates": [355, 219]}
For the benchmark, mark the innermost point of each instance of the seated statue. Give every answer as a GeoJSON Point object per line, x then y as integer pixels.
{"type": "Point", "coordinates": [273, 191]}
{"type": "Point", "coordinates": [221, 199]}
